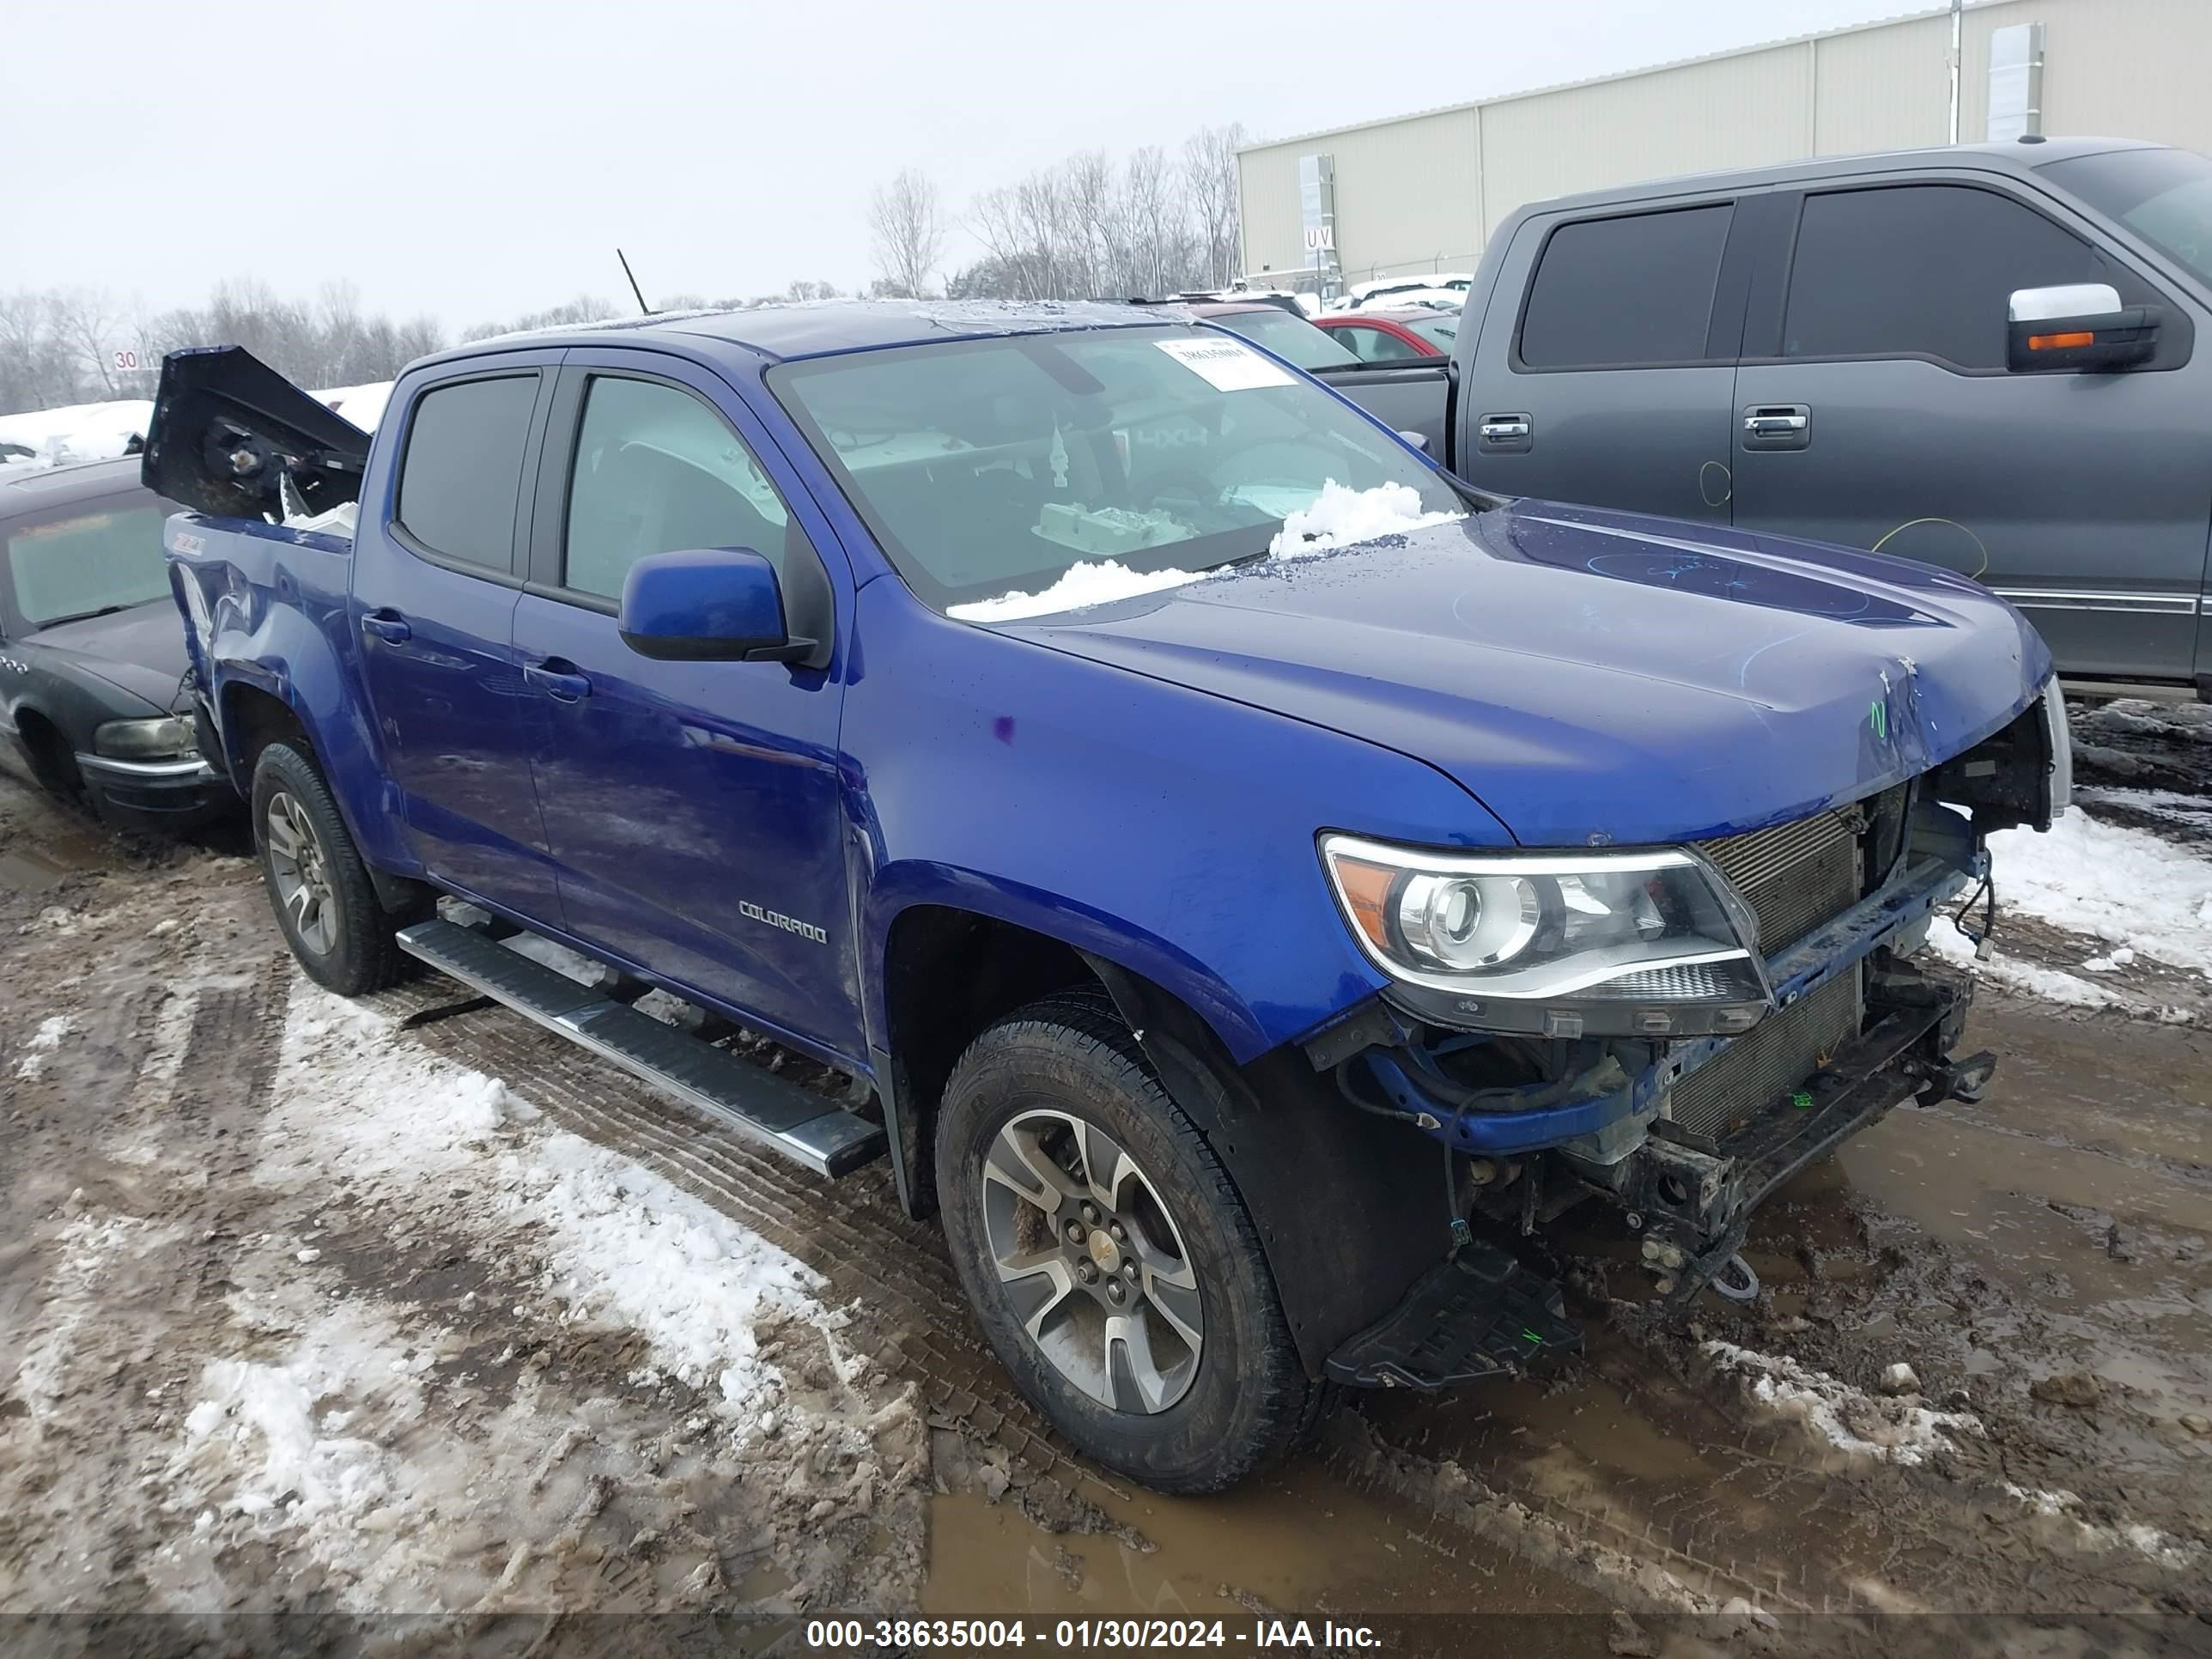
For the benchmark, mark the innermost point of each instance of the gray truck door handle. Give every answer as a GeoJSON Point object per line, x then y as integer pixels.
{"type": "Point", "coordinates": [1777, 426]}
{"type": "Point", "coordinates": [1512, 431]}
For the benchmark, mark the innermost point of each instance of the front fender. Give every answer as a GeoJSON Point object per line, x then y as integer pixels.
{"type": "Point", "coordinates": [1168, 830]}
{"type": "Point", "coordinates": [901, 886]}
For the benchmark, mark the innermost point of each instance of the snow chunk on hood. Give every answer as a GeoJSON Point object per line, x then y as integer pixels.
{"type": "Point", "coordinates": [1338, 517]}
{"type": "Point", "coordinates": [1080, 585]}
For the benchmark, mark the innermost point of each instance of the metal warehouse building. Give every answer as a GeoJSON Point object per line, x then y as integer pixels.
{"type": "Point", "coordinates": [1422, 192]}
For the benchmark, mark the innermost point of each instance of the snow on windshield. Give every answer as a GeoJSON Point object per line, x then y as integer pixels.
{"type": "Point", "coordinates": [1338, 517]}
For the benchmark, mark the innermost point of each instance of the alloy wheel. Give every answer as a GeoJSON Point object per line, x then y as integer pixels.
{"type": "Point", "coordinates": [302, 873]}
{"type": "Point", "coordinates": [1095, 1268]}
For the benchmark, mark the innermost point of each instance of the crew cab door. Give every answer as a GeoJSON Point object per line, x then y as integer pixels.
{"type": "Point", "coordinates": [437, 570]}
{"type": "Point", "coordinates": [1603, 370]}
{"type": "Point", "coordinates": [1875, 408]}
{"type": "Point", "coordinates": [693, 807]}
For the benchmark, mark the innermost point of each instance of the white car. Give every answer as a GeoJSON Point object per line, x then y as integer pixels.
{"type": "Point", "coordinates": [1414, 288]}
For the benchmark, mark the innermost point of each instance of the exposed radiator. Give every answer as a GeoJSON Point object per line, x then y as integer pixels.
{"type": "Point", "coordinates": [1769, 1061]}
{"type": "Point", "coordinates": [1795, 875]}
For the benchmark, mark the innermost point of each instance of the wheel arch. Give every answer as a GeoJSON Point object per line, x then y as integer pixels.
{"type": "Point", "coordinates": [1350, 1209]}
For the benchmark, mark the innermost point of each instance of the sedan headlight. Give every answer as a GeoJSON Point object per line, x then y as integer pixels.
{"type": "Point", "coordinates": [1653, 943]}
{"type": "Point", "coordinates": [169, 738]}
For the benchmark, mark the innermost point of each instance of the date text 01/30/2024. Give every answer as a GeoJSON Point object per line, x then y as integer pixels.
{"type": "Point", "coordinates": [991, 1635]}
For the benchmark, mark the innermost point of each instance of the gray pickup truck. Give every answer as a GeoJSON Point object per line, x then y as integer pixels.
{"type": "Point", "coordinates": [1981, 358]}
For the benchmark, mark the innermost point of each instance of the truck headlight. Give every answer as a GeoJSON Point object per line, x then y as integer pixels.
{"type": "Point", "coordinates": [169, 738]}
{"type": "Point", "coordinates": [1643, 943]}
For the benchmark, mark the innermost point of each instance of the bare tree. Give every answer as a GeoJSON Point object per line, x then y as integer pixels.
{"type": "Point", "coordinates": [907, 232]}
{"type": "Point", "coordinates": [89, 323]}
{"type": "Point", "coordinates": [1209, 172]}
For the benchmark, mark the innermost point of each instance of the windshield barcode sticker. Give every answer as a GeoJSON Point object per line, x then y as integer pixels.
{"type": "Point", "coordinates": [1225, 365]}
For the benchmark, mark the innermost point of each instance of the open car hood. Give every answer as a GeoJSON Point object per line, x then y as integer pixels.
{"type": "Point", "coordinates": [228, 430]}
{"type": "Point", "coordinates": [1597, 677]}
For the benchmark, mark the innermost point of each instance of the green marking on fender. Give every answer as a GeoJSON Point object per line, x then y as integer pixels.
{"type": "Point", "coordinates": [1532, 1336]}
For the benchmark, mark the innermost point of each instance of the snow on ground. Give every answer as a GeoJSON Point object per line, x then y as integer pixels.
{"type": "Point", "coordinates": [2139, 892]}
{"type": "Point", "coordinates": [337, 1433]}
{"type": "Point", "coordinates": [1854, 1422]}
{"type": "Point", "coordinates": [1338, 517]}
{"type": "Point", "coordinates": [2053, 985]}
{"type": "Point", "coordinates": [40, 1043]}
{"type": "Point", "coordinates": [621, 1245]}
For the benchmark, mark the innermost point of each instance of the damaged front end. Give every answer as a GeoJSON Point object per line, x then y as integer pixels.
{"type": "Point", "coordinates": [1686, 1106]}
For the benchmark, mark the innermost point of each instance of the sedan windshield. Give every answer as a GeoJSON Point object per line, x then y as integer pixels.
{"type": "Point", "coordinates": [2164, 195]}
{"type": "Point", "coordinates": [990, 466]}
{"type": "Point", "coordinates": [84, 565]}
{"type": "Point", "coordinates": [1292, 338]}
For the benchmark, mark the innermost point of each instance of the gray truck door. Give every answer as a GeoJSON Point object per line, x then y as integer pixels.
{"type": "Point", "coordinates": [1604, 370]}
{"type": "Point", "coordinates": [1874, 407]}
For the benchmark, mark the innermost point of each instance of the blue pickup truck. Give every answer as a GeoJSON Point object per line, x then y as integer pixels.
{"type": "Point", "coordinates": [1255, 881]}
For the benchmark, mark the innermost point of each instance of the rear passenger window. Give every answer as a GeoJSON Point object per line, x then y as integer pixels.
{"type": "Point", "coordinates": [1921, 270]}
{"type": "Point", "coordinates": [658, 472]}
{"type": "Point", "coordinates": [1633, 290]}
{"type": "Point", "coordinates": [462, 474]}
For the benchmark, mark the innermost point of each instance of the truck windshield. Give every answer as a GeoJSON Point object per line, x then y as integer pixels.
{"type": "Point", "coordinates": [2164, 195]}
{"type": "Point", "coordinates": [87, 565]}
{"type": "Point", "coordinates": [986, 466]}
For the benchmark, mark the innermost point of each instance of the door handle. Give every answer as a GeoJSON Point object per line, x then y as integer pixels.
{"type": "Point", "coordinates": [558, 679]}
{"type": "Point", "coordinates": [387, 625]}
{"type": "Point", "coordinates": [1777, 426]}
{"type": "Point", "coordinates": [1512, 431]}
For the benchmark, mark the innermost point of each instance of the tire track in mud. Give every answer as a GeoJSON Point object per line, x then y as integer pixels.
{"type": "Point", "coordinates": [1761, 1519]}
{"type": "Point", "coordinates": [895, 1269]}
{"type": "Point", "coordinates": [853, 1233]}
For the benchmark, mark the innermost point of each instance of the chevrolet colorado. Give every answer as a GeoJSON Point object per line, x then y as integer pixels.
{"type": "Point", "coordinates": [1254, 881]}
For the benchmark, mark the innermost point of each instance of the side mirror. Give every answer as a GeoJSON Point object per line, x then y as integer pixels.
{"type": "Point", "coordinates": [716, 605]}
{"type": "Point", "coordinates": [2077, 327]}
{"type": "Point", "coordinates": [1418, 440]}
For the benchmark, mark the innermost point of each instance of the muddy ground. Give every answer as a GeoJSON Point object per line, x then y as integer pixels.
{"type": "Point", "coordinates": [304, 1307]}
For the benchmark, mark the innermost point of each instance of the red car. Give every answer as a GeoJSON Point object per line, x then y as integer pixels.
{"type": "Point", "coordinates": [1393, 333]}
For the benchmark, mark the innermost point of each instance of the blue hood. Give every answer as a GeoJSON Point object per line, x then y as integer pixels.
{"type": "Point", "coordinates": [1598, 678]}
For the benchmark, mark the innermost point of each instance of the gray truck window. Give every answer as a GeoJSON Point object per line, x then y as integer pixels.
{"type": "Point", "coordinates": [1921, 270]}
{"type": "Point", "coordinates": [2164, 195]}
{"type": "Point", "coordinates": [1635, 288]}
{"type": "Point", "coordinates": [658, 472]}
{"type": "Point", "coordinates": [462, 473]}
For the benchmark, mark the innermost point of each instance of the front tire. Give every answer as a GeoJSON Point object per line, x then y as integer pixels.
{"type": "Point", "coordinates": [1110, 1261]}
{"type": "Point", "coordinates": [319, 888]}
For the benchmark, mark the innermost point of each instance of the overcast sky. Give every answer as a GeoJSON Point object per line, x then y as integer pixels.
{"type": "Point", "coordinates": [475, 160]}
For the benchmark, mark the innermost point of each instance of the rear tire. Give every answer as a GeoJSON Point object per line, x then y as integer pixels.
{"type": "Point", "coordinates": [325, 903]}
{"type": "Point", "coordinates": [1203, 1385]}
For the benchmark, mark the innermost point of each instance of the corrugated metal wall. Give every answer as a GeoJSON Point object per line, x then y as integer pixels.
{"type": "Point", "coordinates": [1425, 192]}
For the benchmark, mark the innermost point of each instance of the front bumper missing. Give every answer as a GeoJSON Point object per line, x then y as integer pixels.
{"type": "Point", "coordinates": [1482, 1313]}
{"type": "Point", "coordinates": [1696, 1198]}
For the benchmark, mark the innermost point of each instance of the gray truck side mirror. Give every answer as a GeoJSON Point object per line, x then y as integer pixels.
{"type": "Point", "coordinates": [2076, 327]}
